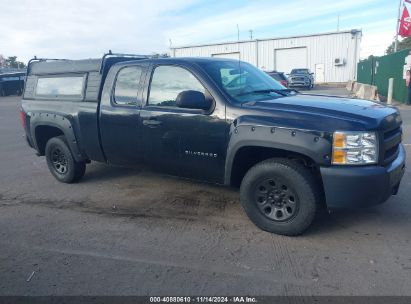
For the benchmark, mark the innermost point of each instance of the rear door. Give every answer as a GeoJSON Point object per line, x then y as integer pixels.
{"type": "Point", "coordinates": [183, 142]}
{"type": "Point", "coordinates": [120, 115]}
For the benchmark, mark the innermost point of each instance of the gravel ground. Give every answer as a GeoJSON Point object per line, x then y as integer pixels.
{"type": "Point", "coordinates": [131, 232]}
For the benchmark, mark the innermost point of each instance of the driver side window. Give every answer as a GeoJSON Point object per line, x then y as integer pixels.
{"type": "Point", "coordinates": [167, 82]}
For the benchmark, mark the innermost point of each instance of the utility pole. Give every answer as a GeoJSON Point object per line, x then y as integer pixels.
{"type": "Point", "coordinates": [398, 27]}
{"type": "Point", "coordinates": [251, 34]}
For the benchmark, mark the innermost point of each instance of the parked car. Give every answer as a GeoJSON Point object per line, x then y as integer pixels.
{"type": "Point", "coordinates": [301, 78]}
{"type": "Point", "coordinates": [280, 77]}
{"type": "Point", "coordinates": [289, 153]}
{"type": "Point", "coordinates": [12, 83]}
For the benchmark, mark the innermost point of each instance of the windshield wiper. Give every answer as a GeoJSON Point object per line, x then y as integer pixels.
{"type": "Point", "coordinates": [282, 92]}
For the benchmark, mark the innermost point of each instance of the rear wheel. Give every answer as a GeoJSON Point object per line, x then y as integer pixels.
{"type": "Point", "coordinates": [61, 162]}
{"type": "Point", "coordinates": [280, 196]}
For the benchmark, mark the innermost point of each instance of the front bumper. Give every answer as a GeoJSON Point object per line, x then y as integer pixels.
{"type": "Point", "coordinates": [356, 187]}
{"type": "Point", "coordinates": [299, 84]}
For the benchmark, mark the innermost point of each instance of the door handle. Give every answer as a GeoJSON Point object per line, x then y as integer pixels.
{"type": "Point", "coordinates": [151, 122]}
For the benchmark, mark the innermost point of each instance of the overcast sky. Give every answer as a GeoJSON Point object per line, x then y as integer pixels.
{"type": "Point", "coordinates": [89, 28]}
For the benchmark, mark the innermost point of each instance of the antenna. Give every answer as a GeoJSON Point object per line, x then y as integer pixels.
{"type": "Point", "coordinates": [251, 34]}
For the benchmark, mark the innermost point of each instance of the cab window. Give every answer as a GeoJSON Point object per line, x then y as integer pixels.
{"type": "Point", "coordinates": [167, 82]}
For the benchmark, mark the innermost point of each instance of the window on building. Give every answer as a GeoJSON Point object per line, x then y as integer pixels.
{"type": "Point", "coordinates": [69, 87]}
{"type": "Point", "coordinates": [167, 82]}
{"type": "Point", "coordinates": [127, 85]}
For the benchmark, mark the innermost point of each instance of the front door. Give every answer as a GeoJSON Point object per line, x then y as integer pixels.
{"type": "Point", "coordinates": [183, 142]}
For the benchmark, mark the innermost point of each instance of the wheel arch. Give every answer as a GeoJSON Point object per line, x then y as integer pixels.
{"type": "Point", "coordinates": [248, 155]}
{"type": "Point", "coordinates": [251, 143]}
{"type": "Point", "coordinates": [45, 126]}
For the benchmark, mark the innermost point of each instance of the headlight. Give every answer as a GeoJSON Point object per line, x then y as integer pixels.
{"type": "Point", "coordinates": [355, 148]}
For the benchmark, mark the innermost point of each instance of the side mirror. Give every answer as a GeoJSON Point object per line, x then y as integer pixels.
{"type": "Point", "coordinates": [192, 100]}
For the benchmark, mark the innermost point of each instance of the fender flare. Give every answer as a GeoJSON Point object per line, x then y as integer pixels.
{"type": "Point", "coordinates": [64, 124]}
{"type": "Point", "coordinates": [311, 144]}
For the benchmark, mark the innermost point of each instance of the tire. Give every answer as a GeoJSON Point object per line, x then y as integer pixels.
{"type": "Point", "coordinates": [61, 162]}
{"type": "Point", "coordinates": [280, 196]}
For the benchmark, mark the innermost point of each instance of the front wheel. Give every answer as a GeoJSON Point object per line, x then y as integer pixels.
{"type": "Point", "coordinates": [280, 196]}
{"type": "Point", "coordinates": [61, 162]}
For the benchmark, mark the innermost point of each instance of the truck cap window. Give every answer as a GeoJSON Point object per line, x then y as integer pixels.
{"type": "Point", "coordinates": [167, 82]}
{"type": "Point", "coordinates": [242, 81]}
{"type": "Point", "coordinates": [127, 84]}
{"type": "Point", "coordinates": [60, 87]}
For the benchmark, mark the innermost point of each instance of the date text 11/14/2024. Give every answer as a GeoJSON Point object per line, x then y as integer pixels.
{"type": "Point", "coordinates": [203, 299]}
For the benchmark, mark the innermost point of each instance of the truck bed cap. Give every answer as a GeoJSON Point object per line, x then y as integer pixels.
{"type": "Point", "coordinates": [65, 66]}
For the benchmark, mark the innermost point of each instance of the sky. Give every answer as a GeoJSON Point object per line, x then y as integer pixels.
{"type": "Point", "coordinates": [88, 28]}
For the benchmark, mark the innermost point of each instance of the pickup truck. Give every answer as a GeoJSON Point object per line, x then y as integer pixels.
{"type": "Point", "coordinates": [290, 154]}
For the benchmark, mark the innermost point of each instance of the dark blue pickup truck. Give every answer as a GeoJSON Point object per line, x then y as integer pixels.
{"type": "Point", "coordinates": [220, 121]}
{"type": "Point", "coordinates": [12, 83]}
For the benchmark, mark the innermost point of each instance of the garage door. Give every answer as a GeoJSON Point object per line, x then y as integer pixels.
{"type": "Point", "coordinates": [228, 55]}
{"type": "Point", "coordinates": [287, 59]}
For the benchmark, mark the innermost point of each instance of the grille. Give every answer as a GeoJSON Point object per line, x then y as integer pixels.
{"type": "Point", "coordinates": [392, 140]}
{"type": "Point", "coordinates": [298, 78]}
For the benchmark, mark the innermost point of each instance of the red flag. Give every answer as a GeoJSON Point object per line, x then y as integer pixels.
{"type": "Point", "coordinates": [405, 24]}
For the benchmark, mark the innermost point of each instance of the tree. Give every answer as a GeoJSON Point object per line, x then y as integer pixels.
{"type": "Point", "coordinates": [403, 44]}
{"type": "Point", "coordinates": [11, 62]}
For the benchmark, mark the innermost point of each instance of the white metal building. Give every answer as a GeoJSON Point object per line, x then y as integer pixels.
{"type": "Point", "coordinates": [333, 57]}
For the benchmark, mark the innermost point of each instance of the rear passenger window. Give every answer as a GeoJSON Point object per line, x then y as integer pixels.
{"type": "Point", "coordinates": [67, 87]}
{"type": "Point", "coordinates": [127, 84]}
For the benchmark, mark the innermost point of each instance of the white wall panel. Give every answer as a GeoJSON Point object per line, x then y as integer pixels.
{"type": "Point", "coordinates": [287, 59]}
{"type": "Point", "coordinates": [320, 49]}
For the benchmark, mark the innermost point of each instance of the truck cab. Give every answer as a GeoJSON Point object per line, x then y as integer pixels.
{"type": "Point", "coordinates": [215, 120]}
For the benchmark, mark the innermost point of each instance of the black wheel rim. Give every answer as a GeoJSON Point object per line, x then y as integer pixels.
{"type": "Point", "coordinates": [59, 161]}
{"type": "Point", "coordinates": [275, 199]}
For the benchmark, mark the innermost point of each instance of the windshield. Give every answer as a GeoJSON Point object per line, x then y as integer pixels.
{"type": "Point", "coordinates": [300, 71]}
{"type": "Point", "coordinates": [243, 82]}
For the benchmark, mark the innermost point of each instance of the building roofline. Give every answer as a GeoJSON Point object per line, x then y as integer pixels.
{"type": "Point", "coordinates": [352, 31]}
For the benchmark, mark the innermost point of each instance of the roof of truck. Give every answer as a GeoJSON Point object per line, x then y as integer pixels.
{"type": "Point", "coordinates": [94, 64]}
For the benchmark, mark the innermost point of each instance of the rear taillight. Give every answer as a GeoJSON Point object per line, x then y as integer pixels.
{"type": "Point", "coordinates": [23, 119]}
{"type": "Point", "coordinates": [284, 83]}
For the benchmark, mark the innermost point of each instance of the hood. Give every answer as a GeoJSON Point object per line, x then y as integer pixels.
{"type": "Point", "coordinates": [329, 112]}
